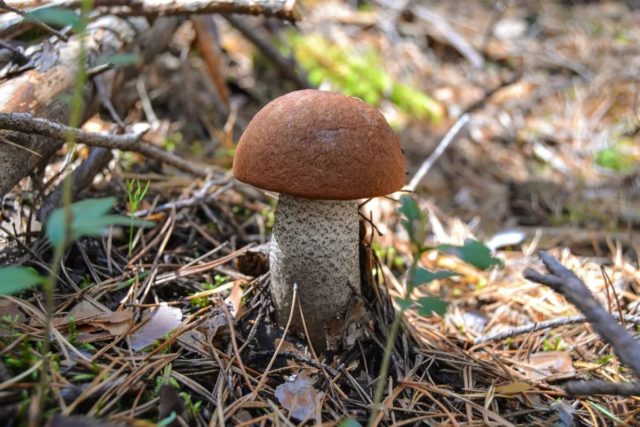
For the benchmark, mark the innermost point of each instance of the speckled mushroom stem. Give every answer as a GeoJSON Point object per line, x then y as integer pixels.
{"type": "Point", "coordinates": [314, 244]}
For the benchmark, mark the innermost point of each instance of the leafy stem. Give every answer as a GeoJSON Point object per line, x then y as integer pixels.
{"type": "Point", "coordinates": [414, 221]}
{"type": "Point", "coordinates": [384, 367]}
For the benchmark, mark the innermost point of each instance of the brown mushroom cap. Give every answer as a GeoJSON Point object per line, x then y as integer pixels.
{"type": "Point", "coordinates": [320, 145]}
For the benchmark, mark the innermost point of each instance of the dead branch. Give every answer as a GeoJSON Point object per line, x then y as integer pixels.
{"type": "Point", "coordinates": [283, 9]}
{"type": "Point", "coordinates": [25, 123]}
{"type": "Point", "coordinates": [43, 91]}
{"type": "Point", "coordinates": [592, 388]}
{"type": "Point", "coordinates": [565, 282]}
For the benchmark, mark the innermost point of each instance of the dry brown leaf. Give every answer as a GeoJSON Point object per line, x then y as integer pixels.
{"type": "Point", "coordinates": [84, 310]}
{"type": "Point", "coordinates": [287, 346]}
{"type": "Point", "coordinates": [117, 323]}
{"type": "Point", "coordinates": [544, 364]}
{"type": "Point", "coordinates": [193, 340]}
{"type": "Point", "coordinates": [514, 388]}
{"type": "Point", "coordinates": [94, 323]}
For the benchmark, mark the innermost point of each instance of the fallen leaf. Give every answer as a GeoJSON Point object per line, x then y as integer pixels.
{"type": "Point", "coordinates": [161, 320]}
{"type": "Point", "coordinates": [298, 396]}
{"type": "Point", "coordinates": [95, 323]}
{"type": "Point", "coordinates": [544, 364]}
{"type": "Point", "coordinates": [84, 310]}
{"type": "Point", "coordinates": [514, 388]}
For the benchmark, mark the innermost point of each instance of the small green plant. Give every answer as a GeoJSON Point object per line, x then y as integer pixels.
{"type": "Point", "coordinates": [88, 218]}
{"type": "Point", "coordinates": [555, 344]}
{"type": "Point", "coordinates": [615, 158]}
{"type": "Point", "coordinates": [73, 330]}
{"type": "Point", "coordinates": [85, 218]}
{"type": "Point", "coordinates": [135, 195]}
{"type": "Point", "coordinates": [414, 221]}
{"type": "Point", "coordinates": [193, 408]}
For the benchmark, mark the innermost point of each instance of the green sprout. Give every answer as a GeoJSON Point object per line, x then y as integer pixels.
{"type": "Point", "coordinates": [135, 195]}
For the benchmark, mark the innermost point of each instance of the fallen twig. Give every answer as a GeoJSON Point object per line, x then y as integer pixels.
{"type": "Point", "coordinates": [448, 32]}
{"type": "Point", "coordinates": [590, 388]}
{"type": "Point", "coordinates": [565, 282]}
{"type": "Point", "coordinates": [548, 324]}
{"type": "Point", "coordinates": [201, 196]}
{"type": "Point", "coordinates": [440, 149]}
{"type": "Point", "coordinates": [42, 89]}
{"type": "Point", "coordinates": [25, 123]}
{"type": "Point", "coordinates": [462, 121]}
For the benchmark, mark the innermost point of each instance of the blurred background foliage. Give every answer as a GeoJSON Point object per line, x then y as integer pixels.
{"type": "Point", "coordinates": [359, 73]}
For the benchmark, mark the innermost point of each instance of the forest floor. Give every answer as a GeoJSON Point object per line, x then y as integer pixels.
{"type": "Point", "coordinates": [175, 326]}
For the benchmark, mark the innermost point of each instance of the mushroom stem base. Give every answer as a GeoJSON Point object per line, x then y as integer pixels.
{"type": "Point", "coordinates": [314, 245]}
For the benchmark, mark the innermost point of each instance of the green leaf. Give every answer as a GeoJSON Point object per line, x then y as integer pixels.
{"type": "Point", "coordinates": [473, 252]}
{"type": "Point", "coordinates": [426, 306]}
{"type": "Point", "coordinates": [404, 303]}
{"type": "Point", "coordinates": [55, 16]}
{"type": "Point", "coordinates": [349, 422]}
{"type": "Point", "coordinates": [15, 279]}
{"type": "Point", "coordinates": [421, 276]}
{"type": "Point", "coordinates": [119, 59]}
{"type": "Point", "coordinates": [413, 221]}
{"type": "Point", "coordinates": [88, 218]}
{"type": "Point", "coordinates": [409, 208]}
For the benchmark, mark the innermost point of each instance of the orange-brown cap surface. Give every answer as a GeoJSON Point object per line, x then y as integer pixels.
{"type": "Point", "coordinates": [320, 145]}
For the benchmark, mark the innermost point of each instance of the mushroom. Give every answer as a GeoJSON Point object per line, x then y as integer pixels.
{"type": "Point", "coordinates": [322, 152]}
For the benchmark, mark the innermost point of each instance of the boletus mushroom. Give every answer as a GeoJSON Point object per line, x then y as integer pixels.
{"type": "Point", "coordinates": [322, 152]}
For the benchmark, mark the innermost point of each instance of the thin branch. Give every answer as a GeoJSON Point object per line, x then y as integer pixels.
{"type": "Point", "coordinates": [440, 149]}
{"type": "Point", "coordinates": [283, 9]}
{"type": "Point", "coordinates": [201, 196]}
{"type": "Point", "coordinates": [565, 282]}
{"type": "Point", "coordinates": [462, 121]}
{"type": "Point", "coordinates": [548, 324]}
{"type": "Point", "coordinates": [26, 123]}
